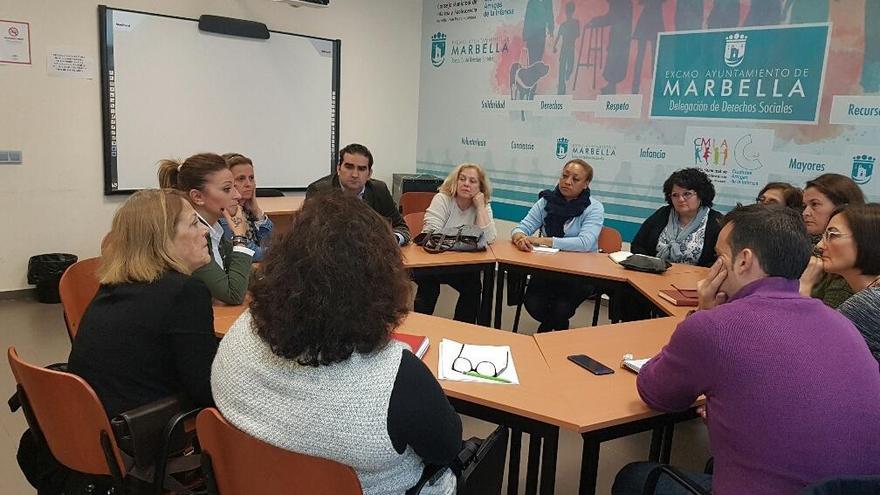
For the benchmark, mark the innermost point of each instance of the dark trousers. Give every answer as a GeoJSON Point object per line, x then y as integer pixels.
{"type": "Point", "coordinates": [553, 301]}
{"type": "Point", "coordinates": [631, 481]}
{"type": "Point", "coordinates": [469, 290]}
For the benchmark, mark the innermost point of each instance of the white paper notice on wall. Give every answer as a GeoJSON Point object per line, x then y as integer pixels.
{"type": "Point", "coordinates": [15, 42]}
{"type": "Point", "coordinates": [70, 62]}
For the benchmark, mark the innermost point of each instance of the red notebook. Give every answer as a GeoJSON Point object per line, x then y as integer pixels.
{"type": "Point", "coordinates": [417, 344]}
{"type": "Point", "coordinates": [680, 297]}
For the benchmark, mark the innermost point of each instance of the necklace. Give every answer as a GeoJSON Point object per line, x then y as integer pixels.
{"type": "Point", "coordinates": [874, 283]}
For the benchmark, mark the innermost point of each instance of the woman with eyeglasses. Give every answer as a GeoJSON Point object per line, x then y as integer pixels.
{"type": "Point", "coordinates": [686, 229]}
{"type": "Point", "coordinates": [822, 196]}
{"type": "Point", "coordinates": [311, 367]}
{"type": "Point", "coordinates": [850, 248]}
{"type": "Point", "coordinates": [781, 193]}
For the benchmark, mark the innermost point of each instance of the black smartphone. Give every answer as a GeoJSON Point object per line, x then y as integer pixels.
{"type": "Point", "coordinates": [590, 364]}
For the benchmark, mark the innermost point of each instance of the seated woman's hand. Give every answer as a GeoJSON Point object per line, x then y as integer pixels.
{"type": "Point", "coordinates": [812, 275]}
{"type": "Point", "coordinates": [236, 221]}
{"type": "Point", "coordinates": [522, 242]}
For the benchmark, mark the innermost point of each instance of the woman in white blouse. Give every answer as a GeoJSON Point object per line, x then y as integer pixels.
{"type": "Point", "coordinates": [463, 199]}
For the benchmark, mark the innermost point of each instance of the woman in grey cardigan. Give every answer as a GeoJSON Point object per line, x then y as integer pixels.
{"type": "Point", "coordinates": [463, 199]}
{"type": "Point", "coordinates": [310, 366]}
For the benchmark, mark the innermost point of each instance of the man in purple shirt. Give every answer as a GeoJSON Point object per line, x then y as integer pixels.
{"type": "Point", "coordinates": [792, 391]}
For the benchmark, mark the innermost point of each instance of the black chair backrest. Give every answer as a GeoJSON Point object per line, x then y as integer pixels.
{"type": "Point", "coordinates": [263, 192]}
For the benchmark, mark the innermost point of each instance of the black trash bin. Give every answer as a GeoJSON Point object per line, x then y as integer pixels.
{"type": "Point", "coordinates": [45, 271]}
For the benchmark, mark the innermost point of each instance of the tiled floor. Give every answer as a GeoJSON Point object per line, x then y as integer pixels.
{"type": "Point", "coordinates": [38, 332]}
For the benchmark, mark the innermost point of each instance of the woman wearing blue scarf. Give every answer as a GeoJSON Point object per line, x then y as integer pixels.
{"type": "Point", "coordinates": [567, 219]}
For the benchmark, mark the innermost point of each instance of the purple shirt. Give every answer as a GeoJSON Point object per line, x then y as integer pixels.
{"type": "Point", "coordinates": [793, 391]}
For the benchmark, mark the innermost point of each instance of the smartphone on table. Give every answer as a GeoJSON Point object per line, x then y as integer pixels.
{"type": "Point", "coordinates": [590, 364]}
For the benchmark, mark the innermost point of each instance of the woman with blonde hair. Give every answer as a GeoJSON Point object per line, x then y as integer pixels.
{"type": "Point", "coordinates": [149, 332]}
{"type": "Point", "coordinates": [207, 183]}
{"type": "Point", "coordinates": [463, 199]}
{"type": "Point", "coordinates": [259, 225]}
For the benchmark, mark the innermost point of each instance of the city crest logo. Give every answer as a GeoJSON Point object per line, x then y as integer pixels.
{"type": "Point", "coordinates": [438, 49]}
{"type": "Point", "coordinates": [561, 148]}
{"type": "Point", "coordinates": [735, 49]}
{"type": "Point", "coordinates": [863, 168]}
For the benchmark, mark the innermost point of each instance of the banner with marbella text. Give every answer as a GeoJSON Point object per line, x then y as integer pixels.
{"type": "Point", "coordinates": [751, 91]}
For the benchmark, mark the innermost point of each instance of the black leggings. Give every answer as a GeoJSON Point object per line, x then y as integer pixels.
{"type": "Point", "coordinates": [469, 290]}
{"type": "Point", "coordinates": [553, 301]}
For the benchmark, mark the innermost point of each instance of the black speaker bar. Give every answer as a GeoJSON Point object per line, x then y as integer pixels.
{"type": "Point", "coordinates": [233, 27]}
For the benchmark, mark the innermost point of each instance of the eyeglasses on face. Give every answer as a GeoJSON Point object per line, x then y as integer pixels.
{"type": "Point", "coordinates": [687, 195]}
{"type": "Point", "coordinates": [487, 368]}
{"type": "Point", "coordinates": [833, 235]}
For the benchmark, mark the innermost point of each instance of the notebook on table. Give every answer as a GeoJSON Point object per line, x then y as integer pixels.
{"type": "Point", "coordinates": [417, 343]}
{"type": "Point", "coordinates": [634, 365]}
{"type": "Point", "coordinates": [680, 297]}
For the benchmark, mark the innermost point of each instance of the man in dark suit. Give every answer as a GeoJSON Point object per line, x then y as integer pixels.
{"type": "Point", "coordinates": [353, 177]}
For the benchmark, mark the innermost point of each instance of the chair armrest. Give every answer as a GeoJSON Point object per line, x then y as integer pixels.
{"type": "Point", "coordinates": [676, 476]}
{"type": "Point", "coordinates": [145, 432]}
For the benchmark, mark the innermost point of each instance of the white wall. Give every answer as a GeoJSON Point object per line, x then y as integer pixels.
{"type": "Point", "coordinates": [54, 200]}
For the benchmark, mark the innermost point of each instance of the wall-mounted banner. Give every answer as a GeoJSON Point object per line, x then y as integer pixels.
{"type": "Point", "coordinates": [756, 91]}
{"type": "Point", "coordinates": [766, 74]}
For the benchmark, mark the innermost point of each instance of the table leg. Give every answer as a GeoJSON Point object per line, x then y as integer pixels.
{"type": "Point", "coordinates": [485, 317]}
{"type": "Point", "coordinates": [513, 462]}
{"type": "Point", "coordinates": [656, 444]}
{"type": "Point", "coordinates": [589, 465]}
{"type": "Point", "coordinates": [548, 463]}
{"type": "Point", "coordinates": [534, 464]}
{"type": "Point", "coordinates": [499, 295]}
{"type": "Point", "coordinates": [666, 452]}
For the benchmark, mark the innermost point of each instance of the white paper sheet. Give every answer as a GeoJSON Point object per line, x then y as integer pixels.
{"type": "Point", "coordinates": [69, 62]}
{"type": "Point", "coordinates": [495, 354]}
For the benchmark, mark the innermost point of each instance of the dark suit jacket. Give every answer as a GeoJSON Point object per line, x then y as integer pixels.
{"type": "Point", "coordinates": [376, 195]}
{"type": "Point", "coordinates": [645, 241]}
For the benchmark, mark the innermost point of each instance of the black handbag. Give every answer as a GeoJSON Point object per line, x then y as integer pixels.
{"type": "Point", "coordinates": [643, 263]}
{"type": "Point", "coordinates": [462, 238]}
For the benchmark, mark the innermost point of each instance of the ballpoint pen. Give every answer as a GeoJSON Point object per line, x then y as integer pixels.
{"type": "Point", "coordinates": [488, 377]}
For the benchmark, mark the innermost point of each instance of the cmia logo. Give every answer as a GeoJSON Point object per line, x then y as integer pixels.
{"type": "Point", "coordinates": [438, 49]}
{"type": "Point", "coordinates": [561, 148]}
{"type": "Point", "coordinates": [863, 168]}
{"type": "Point", "coordinates": [708, 151]}
{"type": "Point", "coordinates": [735, 49]}
{"type": "Point", "coordinates": [13, 31]}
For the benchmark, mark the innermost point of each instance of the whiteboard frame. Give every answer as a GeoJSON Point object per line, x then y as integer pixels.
{"type": "Point", "coordinates": [110, 160]}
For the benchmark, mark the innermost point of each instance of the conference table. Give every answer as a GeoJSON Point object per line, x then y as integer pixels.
{"type": "Point", "coordinates": [279, 209]}
{"type": "Point", "coordinates": [420, 262]}
{"type": "Point", "coordinates": [595, 268]}
{"type": "Point", "coordinates": [553, 392]}
{"type": "Point", "coordinates": [606, 407]}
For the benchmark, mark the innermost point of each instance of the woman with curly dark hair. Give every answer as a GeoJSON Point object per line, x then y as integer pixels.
{"type": "Point", "coordinates": [311, 368]}
{"type": "Point", "coordinates": [685, 230]}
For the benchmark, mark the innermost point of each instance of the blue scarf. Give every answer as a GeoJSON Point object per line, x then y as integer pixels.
{"type": "Point", "coordinates": [560, 210]}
